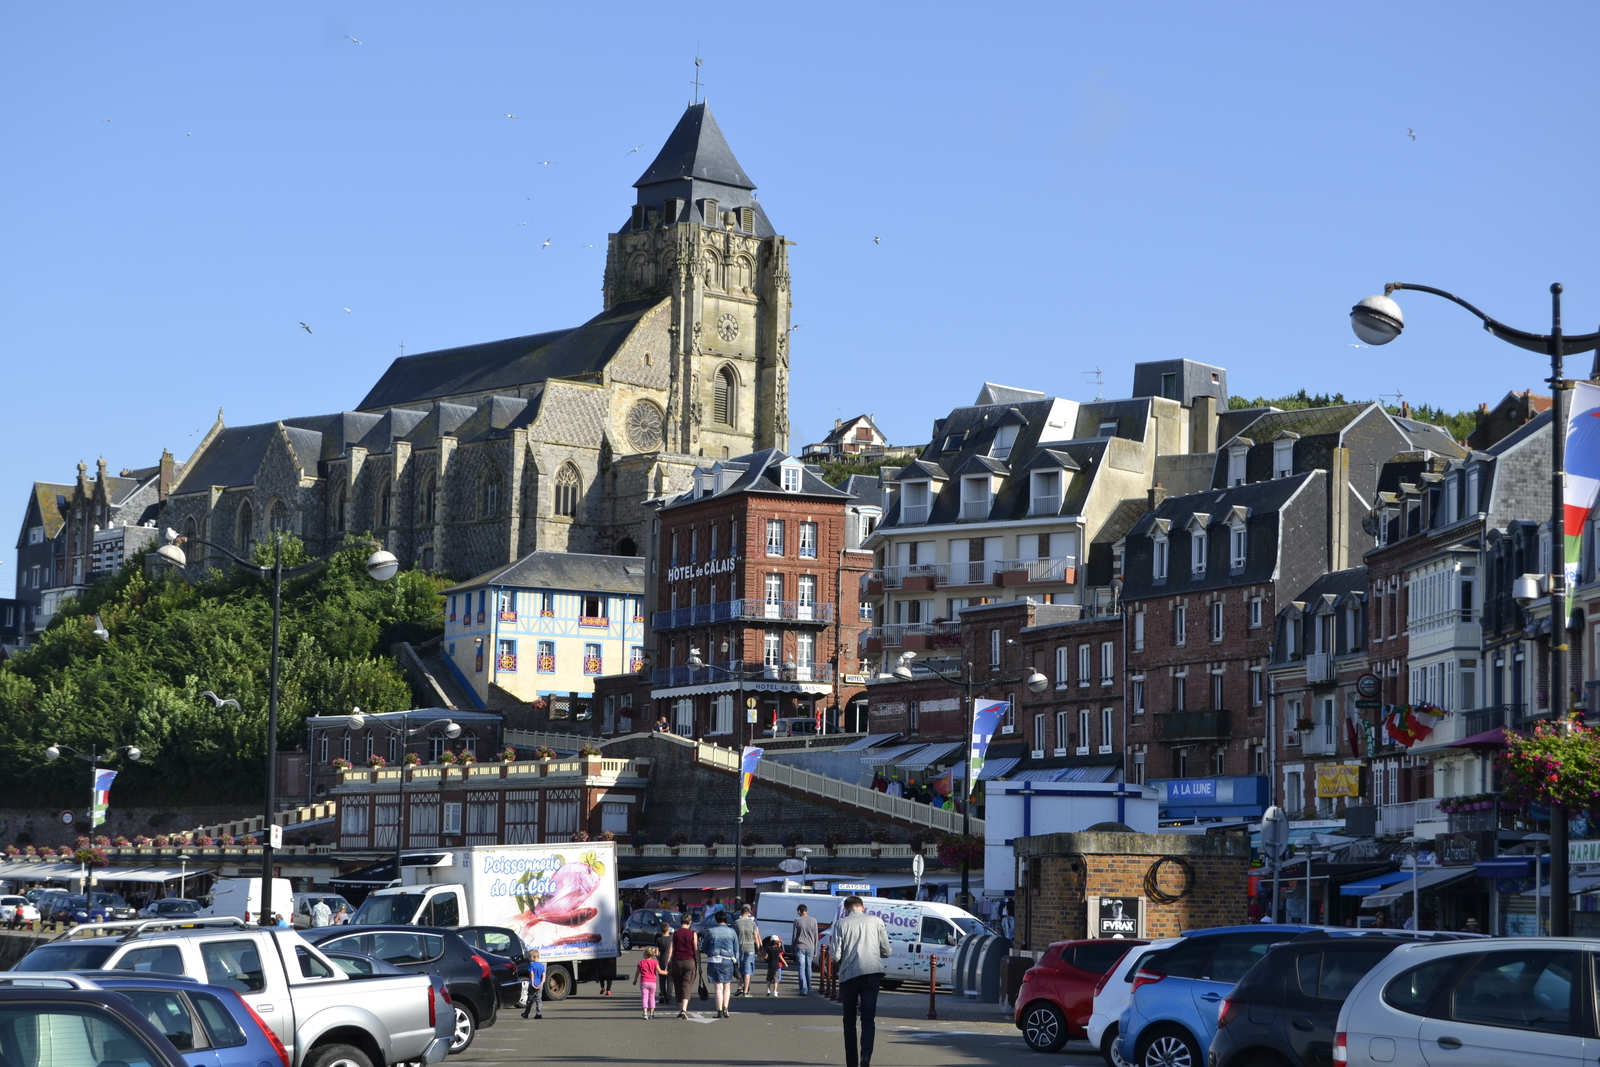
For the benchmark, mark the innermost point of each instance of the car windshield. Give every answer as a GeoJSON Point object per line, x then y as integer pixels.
{"type": "Point", "coordinates": [968, 926]}
{"type": "Point", "coordinates": [113, 899]}
{"type": "Point", "coordinates": [383, 908]}
{"type": "Point", "coordinates": [67, 956]}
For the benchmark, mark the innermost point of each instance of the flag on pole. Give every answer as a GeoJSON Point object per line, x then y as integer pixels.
{"type": "Point", "coordinates": [747, 773]}
{"type": "Point", "coordinates": [986, 716]}
{"type": "Point", "coordinates": [1582, 477]}
{"type": "Point", "coordinates": [102, 796]}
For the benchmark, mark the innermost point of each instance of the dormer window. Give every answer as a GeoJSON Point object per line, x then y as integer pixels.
{"type": "Point", "coordinates": [975, 497]}
{"type": "Point", "coordinates": [708, 211]}
{"type": "Point", "coordinates": [915, 499]}
{"type": "Point", "coordinates": [1386, 518]}
{"type": "Point", "coordinates": [1004, 438]}
{"type": "Point", "coordinates": [1450, 499]}
{"type": "Point", "coordinates": [954, 441]}
{"type": "Point", "coordinates": [1197, 552]}
{"type": "Point", "coordinates": [789, 475]}
{"type": "Point", "coordinates": [1472, 507]}
{"type": "Point", "coordinates": [1044, 493]}
{"type": "Point", "coordinates": [1158, 556]}
{"type": "Point", "coordinates": [674, 209]}
{"type": "Point", "coordinates": [1238, 546]}
{"type": "Point", "coordinates": [1283, 457]}
{"type": "Point", "coordinates": [1236, 458]}
{"type": "Point", "coordinates": [1108, 427]}
{"type": "Point", "coordinates": [747, 219]}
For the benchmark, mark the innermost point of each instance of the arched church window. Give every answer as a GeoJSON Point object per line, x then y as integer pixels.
{"type": "Point", "coordinates": [337, 517]}
{"type": "Point", "coordinates": [278, 517]}
{"type": "Point", "coordinates": [724, 398]}
{"type": "Point", "coordinates": [569, 487]}
{"type": "Point", "coordinates": [385, 502]}
{"type": "Point", "coordinates": [489, 495]}
{"type": "Point", "coordinates": [244, 531]}
{"type": "Point", "coordinates": [430, 499]}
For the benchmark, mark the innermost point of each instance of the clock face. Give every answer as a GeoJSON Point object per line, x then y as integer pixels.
{"type": "Point", "coordinates": [727, 326]}
{"type": "Point", "coordinates": [644, 426]}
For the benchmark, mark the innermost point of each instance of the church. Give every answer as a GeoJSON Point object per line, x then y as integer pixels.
{"type": "Point", "coordinates": [469, 458]}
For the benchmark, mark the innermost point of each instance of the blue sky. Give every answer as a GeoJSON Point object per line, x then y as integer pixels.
{"type": "Point", "coordinates": [1058, 188]}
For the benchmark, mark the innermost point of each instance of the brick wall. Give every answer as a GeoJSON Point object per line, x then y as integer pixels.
{"type": "Point", "coordinates": [1064, 870]}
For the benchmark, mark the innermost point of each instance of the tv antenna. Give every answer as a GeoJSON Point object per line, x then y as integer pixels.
{"type": "Point", "coordinates": [1396, 396]}
{"type": "Point", "coordinates": [1099, 381]}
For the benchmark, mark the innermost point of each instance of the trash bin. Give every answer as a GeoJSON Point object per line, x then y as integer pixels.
{"type": "Point", "coordinates": [1016, 967]}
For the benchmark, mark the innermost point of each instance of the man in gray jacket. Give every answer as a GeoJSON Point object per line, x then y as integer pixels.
{"type": "Point", "coordinates": [805, 947]}
{"type": "Point", "coordinates": [858, 944]}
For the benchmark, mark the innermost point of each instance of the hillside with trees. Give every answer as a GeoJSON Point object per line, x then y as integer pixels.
{"type": "Point", "coordinates": [1458, 423]}
{"type": "Point", "coordinates": [169, 640]}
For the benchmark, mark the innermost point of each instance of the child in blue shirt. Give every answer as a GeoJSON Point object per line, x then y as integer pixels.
{"type": "Point", "coordinates": [535, 985]}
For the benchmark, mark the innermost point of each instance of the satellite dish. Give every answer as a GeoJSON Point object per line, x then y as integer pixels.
{"type": "Point", "coordinates": [791, 866]}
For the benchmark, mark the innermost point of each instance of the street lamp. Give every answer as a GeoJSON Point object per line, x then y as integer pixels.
{"type": "Point", "coordinates": [92, 758]}
{"type": "Point", "coordinates": [449, 727]}
{"type": "Point", "coordinates": [381, 566]}
{"type": "Point", "coordinates": [1376, 320]}
{"type": "Point", "coordinates": [697, 662]}
{"type": "Point", "coordinates": [967, 681]}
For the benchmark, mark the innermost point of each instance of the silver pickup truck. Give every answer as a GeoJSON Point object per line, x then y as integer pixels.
{"type": "Point", "coordinates": [323, 1016]}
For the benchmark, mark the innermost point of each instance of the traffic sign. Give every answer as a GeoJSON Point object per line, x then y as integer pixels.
{"type": "Point", "coordinates": [917, 867]}
{"type": "Point", "coordinates": [750, 702]}
{"type": "Point", "coordinates": [1368, 686]}
{"type": "Point", "coordinates": [751, 716]}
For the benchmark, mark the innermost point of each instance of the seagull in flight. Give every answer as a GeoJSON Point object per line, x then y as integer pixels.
{"type": "Point", "coordinates": [304, 327]}
{"type": "Point", "coordinates": [509, 115]}
{"type": "Point", "coordinates": [100, 630]}
{"type": "Point", "coordinates": [632, 150]}
{"type": "Point", "coordinates": [1352, 344]}
{"type": "Point", "coordinates": [1411, 133]}
{"type": "Point", "coordinates": [546, 162]}
{"type": "Point", "coordinates": [217, 701]}
{"type": "Point", "coordinates": [546, 243]}
{"type": "Point", "coordinates": [352, 40]}
{"type": "Point", "coordinates": [877, 240]}
{"type": "Point", "coordinates": [347, 311]}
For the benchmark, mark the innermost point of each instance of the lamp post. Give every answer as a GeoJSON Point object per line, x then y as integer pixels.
{"type": "Point", "coordinates": [697, 662]}
{"type": "Point", "coordinates": [1376, 320]}
{"type": "Point", "coordinates": [449, 727]}
{"type": "Point", "coordinates": [92, 758]}
{"type": "Point", "coordinates": [381, 566]}
{"type": "Point", "coordinates": [967, 681]}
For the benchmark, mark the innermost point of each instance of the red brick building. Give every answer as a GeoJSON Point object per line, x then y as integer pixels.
{"type": "Point", "coordinates": [756, 575]}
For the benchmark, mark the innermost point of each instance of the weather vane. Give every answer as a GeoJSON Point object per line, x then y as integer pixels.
{"type": "Point", "coordinates": [696, 83]}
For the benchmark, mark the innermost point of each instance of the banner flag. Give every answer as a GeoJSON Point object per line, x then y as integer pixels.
{"type": "Point", "coordinates": [747, 773]}
{"type": "Point", "coordinates": [102, 796]}
{"type": "Point", "coordinates": [1582, 480]}
{"type": "Point", "coordinates": [986, 716]}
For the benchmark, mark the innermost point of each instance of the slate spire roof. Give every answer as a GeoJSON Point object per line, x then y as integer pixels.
{"type": "Point", "coordinates": [696, 150]}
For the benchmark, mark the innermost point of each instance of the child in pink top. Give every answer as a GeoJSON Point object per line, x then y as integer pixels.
{"type": "Point", "coordinates": [644, 976]}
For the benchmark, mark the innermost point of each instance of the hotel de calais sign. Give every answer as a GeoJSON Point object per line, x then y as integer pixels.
{"type": "Point", "coordinates": [688, 572]}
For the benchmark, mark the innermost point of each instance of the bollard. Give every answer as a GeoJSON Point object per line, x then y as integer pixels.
{"type": "Point", "coordinates": [933, 986]}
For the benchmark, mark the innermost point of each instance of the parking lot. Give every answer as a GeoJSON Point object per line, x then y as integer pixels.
{"type": "Point", "coordinates": [763, 1031]}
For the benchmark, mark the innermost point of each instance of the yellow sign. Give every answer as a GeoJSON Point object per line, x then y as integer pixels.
{"type": "Point", "coordinates": [1339, 780]}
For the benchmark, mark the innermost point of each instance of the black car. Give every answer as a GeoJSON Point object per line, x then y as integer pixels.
{"type": "Point", "coordinates": [644, 924]}
{"type": "Point", "coordinates": [43, 1027]}
{"type": "Point", "coordinates": [507, 956]}
{"type": "Point", "coordinates": [426, 950]}
{"type": "Point", "coordinates": [1284, 1009]}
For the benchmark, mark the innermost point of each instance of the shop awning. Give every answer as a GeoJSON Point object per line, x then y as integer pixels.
{"type": "Point", "coordinates": [928, 755]}
{"type": "Point", "coordinates": [1427, 881]}
{"type": "Point", "coordinates": [145, 874]}
{"type": "Point", "coordinates": [1495, 738]}
{"type": "Point", "coordinates": [1578, 884]}
{"type": "Point", "coordinates": [889, 755]}
{"type": "Point", "coordinates": [867, 742]}
{"type": "Point", "coordinates": [41, 872]}
{"type": "Point", "coordinates": [1509, 866]}
{"type": "Point", "coordinates": [994, 768]}
{"type": "Point", "coordinates": [705, 880]}
{"type": "Point", "coordinates": [645, 881]}
{"type": "Point", "coordinates": [1367, 886]}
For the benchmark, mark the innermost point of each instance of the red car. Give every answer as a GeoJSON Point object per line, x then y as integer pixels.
{"type": "Point", "coordinates": [1057, 993]}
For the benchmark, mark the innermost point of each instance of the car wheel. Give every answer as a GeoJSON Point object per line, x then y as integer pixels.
{"type": "Point", "coordinates": [337, 1056]}
{"type": "Point", "coordinates": [1044, 1028]}
{"type": "Point", "coordinates": [1110, 1050]}
{"type": "Point", "coordinates": [557, 983]}
{"type": "Point", "coordinates": [627, 943]}
{"type": "Point", "coordinates": [1169, 1048]}
{"type": "Point", "coordinates": [465, 1030]}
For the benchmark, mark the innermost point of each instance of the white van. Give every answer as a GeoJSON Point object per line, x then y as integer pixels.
{"type": "Point", "coordinates": [241, 897]}
{"type": "Point", "coordinates": [918, 929]}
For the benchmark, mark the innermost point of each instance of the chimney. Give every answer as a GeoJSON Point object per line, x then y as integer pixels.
{"type": "Point", "coordinates": [1405, 409]}
{"type": "Point", "coordinates": [1156, 496]}
{"type": "Point", "coordinates": [165, 480]}
{"type": "Point", "coordinates": [1203, 425]}
{"type": "Point", "coordinates": [837, 423]}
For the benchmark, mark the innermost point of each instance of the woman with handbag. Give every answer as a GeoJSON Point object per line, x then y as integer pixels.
{"type": "Point", "coordinates": [681, 964]}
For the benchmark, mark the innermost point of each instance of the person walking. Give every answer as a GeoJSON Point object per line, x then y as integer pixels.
{"type": "Point", "coordinates": [321, 914]}
{"type": "Point", "coordinates": [722, 960]}
{"type": "Point", "coordinates": [805, 947]}
{"type": "Point", "coordinates": [681, 964]}
{"type": "Point", "coordinates": [858, 945]}
{"type": "Point", "coordinates": [644, 976]}
{"type": "Point", "coordinates": [772, 952]}
{"type": "Point", "coordinates": [536, 972]}
{"type": "Point", "coordinates": [749, 935]}
{"type": "Point", "coordinates": [663, 945]}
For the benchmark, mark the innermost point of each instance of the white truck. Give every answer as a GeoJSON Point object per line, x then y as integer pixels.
{"type": "Point", "coordinates": [918, 929]}
{"type": "Point", "coordinates": [560, 899]}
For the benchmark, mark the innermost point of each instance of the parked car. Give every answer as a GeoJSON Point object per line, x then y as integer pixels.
{"type": "Point", "coordinates": [1468, 1003]}
{"type": "Point", "coordinates": [170, 908]}
{"type": "Point", "coordinates": [209, 1026]}
{"type": "Point", "coordinates": [1111, 996]}
{"type": "Point", "coordinates": [48, 1027]}
{"type": "Point", "coordinates": [1057, 993]}
{"type": "Point", "coordinates": [507, 956]}
{"type": "Point", "coordinates": [113, 905]}
{"type": "Point", "coordinates": [1284, 1009]}
{"type": "Point", "coordinates": [74, 908]}
{"type": "Point", "coordinates": [427, 950]}
{"type": "Point", "coordinates": [645, 923]}
{"type": "Point", "coordinates": [37, 894]}
{"type": "Point", "coordinates": [304, 902]}
{"type": "Point", "coordinates": [11, 916]}
{"type": "Point", "coordinates": [321, 1014]}
{"type": "Point", "coordinates": [1172, 1014]}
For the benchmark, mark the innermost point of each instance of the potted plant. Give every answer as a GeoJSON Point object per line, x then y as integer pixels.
{"type": "Point", "coordinates": [877, 835]}
{"type": "Point", "coordinates": [249, 839]}
{"type": "Point", "coordinates": [581, 835]}
{"type": "Point", "coordinates": [1304, 723]}
{"type": "Point", "coordinates": [544, 752]}
{"type": "Point", "coordinates": [956, 848]}
{"type": "Point", "coordinates": [120, 841]}
{"type": "Point", "coordinates": [715, 841]}
{"type": "Point", "coordinates": [833, 839]}
{"type": "Point", "coordinates": [205, 841]}
{"type": "Point", "coordinates": [608, 835]}
{"type": "Point", "coordinates": [227, 839]}
{"type": "Point", "coordinates": [792, 840]}
{"type": "Point", "coordinates": [465, 758]}
{"type": "Point", "coordinates": [341, 764]}
{"type": "Point", "coordinates": [412, 759]}
{"type": "Point", "coordinates": [676, 840]}
{"type": "Point", "coordinates": [376, 761]}
{"type": "Point", "coordinates": [448, 758]}
{"type": "Point", "coordinates": [508, 754]}
{"type": "Point", "coordinates": [750, 839]}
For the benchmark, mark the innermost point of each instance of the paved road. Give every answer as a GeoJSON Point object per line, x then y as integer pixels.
{"type": "Point", "coordinates": [763, 1032]}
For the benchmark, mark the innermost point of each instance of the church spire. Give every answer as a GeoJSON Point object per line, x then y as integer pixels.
{"type": "Point", "coordinates": [696, 171]}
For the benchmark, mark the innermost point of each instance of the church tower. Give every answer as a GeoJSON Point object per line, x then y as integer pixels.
{"type": "Point", "coordinates": [698, 236]}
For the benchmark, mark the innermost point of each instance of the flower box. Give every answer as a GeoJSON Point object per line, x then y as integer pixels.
{"type": "Point", "coordinates": [599, 622]}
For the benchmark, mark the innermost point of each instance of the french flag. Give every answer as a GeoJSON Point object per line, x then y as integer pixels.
{"type": "Point", "coordinates": [102, 787]}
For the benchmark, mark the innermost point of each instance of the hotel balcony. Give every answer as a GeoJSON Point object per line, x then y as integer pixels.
{"type": "Point", "coordinates": [1320, 669]}
{"type": "Point", "coordinates": [714, 673]}
{"type": "Point", "coordinates": [925, 577]}
{"type": "Point", "coordinates": [1059, 570]}
{"type": "Point", "coordinates": [1209, 725]}
{"type": "Point", "coordinates": [870, 641]}
{"type": "Point", "coordinates": [747, 610]}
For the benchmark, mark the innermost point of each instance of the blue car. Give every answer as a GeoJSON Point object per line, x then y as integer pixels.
{"type": "Point", "coordinates": [210, 1026]}
{"type": "Point", "coordinates": [1172, 1015]}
